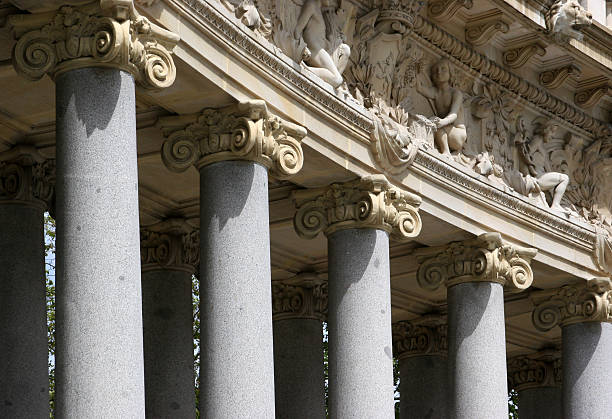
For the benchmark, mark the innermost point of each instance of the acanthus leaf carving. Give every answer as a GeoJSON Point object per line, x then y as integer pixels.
{"type": "Point", "coordinates": [246, 131]}
{"type": "Point", "coordinates": [486, 258]}
{"type": "Point", "coordinates": [588, 301]}
{"type": "Point", "coordinates": [370, 202]}
{"type": "Point", "coordinates": [301, 297]}
{"type": "Point", "coordinates": [171, 244]}
{"type": "Point", "coordinates": [107, 33]}
{"type": "Point", "coordinates": [542, 369]}
{"type": "Point", "coordinates": [425, 336]}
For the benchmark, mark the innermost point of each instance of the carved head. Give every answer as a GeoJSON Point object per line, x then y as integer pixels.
{"type": "Point", "coordinates": [568, 17]}
{"type": "Point", "coordinates": [440, 71]}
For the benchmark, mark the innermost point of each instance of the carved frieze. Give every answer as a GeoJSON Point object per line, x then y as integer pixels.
{"type": "Point", "coordinates": [486, 258]}
{"type": "Point", "coordinates": [370, 202]}
{"type": "Point", "coordinates": [480, 29]}
{"type": "Point", "coordinates": [104, 33]}
{"type": "Point", "coordinates": [301, 297]}
{"type": "Point", "coordinates": [555, 77]}
{"type": "Point", "coordinates": [519, 56]}
{"type": "Point", "coordinates": [424, 336]}
{"type": "Point", "coordinates": [542, 369]}
{"type": "Point", "coordinates": [588, 301]}
{"type": "Point", "coordinates": [245, 131]}
{"type": "Point", "coordinates": [171, 244]}
{"type": "Point", "coordinates": [566, 18]}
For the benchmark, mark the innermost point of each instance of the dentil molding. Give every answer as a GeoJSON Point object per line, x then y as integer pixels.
{"type": "Point", "coordinates": [170, 245]}
{"type": "Point", "coordinates": [245, 131]}
{"type": "Point", "coordinates": [542, 369]}
{"type": "Point", "coordinates": [424, 336]}
{"type": "Point", "coordinates": [486, 258]}
{"type": "Point", "coordinates": [588, 301]}
{"type": "Point", "coordinates": [101, 33]}
{"type": "Point", "coordinates": [301, 297]}
{"type": "Point", "coordinates": [369, 202]}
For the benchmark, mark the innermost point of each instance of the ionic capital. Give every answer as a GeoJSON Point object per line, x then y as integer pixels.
{"type": "Point", "coordinates": [426, 336]}
{"type": "Point", "coordinates": [301, 297]}
{"type": "Point", "coordinates": [26, 178]}
{"type": "Point", "coordinates": [370, 202]}
{"type": "Point", "coordinates": [170, 245]}
{"type": "Point", "coordinates": [588, 301]}
{"type": "Point", "coordinates": [245, 131]}
{"type": "Point", "coordinates": [542, 369]}
{"type": "Point", "coordinates": [486, 258]}
{"type": "Point", "coordinates": [101, 33]}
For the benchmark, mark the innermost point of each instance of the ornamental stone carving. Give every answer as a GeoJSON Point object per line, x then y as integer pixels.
{"type": "Point", "coordinates": [519, 56]}
{"type": "Point", "coordinates": [588, 301]}
{"type": "Point", "coordinates": [370, 202]}
{"type": "Point", "coordinates": [566, 18]}
{"type": "Point", "coordinates": [592, 91]}
{"type": "Point", "coordinates": [424, 336]}
{"type": "Point", "coordinates": [102, 33]}
{"type": "Point", "coordinates": [250, 16]}
{"type": "Point", "coordinates": [26, 178]}
{"type": "Point", "coordinates": [555, 77]}
{"type": "Point", "coordinates": [301, 297]}
{"type": "Point", "coordinates": [542, 369]}
{"type": "Point", "coordinates": [245, 131]}
{"type": "Point", "coordinates": [170, 245]}
{"type": "Point", "coordinates": [486, 258]}
{"type": "Point", "coordinates": [480, 29]}
{"type": "Point", "coordinates": [444, 10]}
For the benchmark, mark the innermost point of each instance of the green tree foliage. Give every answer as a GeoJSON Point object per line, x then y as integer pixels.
{"type": "Point", "coordinates": [50, 281]}
{"type": "Point", "coordinates": [195, 298]}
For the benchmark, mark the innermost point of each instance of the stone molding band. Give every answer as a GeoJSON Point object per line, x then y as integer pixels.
{"type": "Point", "coordinates": [486, 258]}
{"type": "Point", "coordinates": [245, 131]}
{"type": "Point", "coordinates": [425, 336]}
{"type": "Point", "coordinates": [26, 178]}
{"type": "Point", "coordinates": [102, 33]}
{"type": "Point", "coordinates": [370, 202]}
{"type": "Point", "coordinates": [301, 297]}
{"type": "Point", "coordinates": [588, 301]}
{"type": "Point", "coordinates": [170, 245]}
{"type": "Point", "coordinates": [542, 369]}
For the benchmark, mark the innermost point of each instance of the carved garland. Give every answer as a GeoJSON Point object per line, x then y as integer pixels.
{"type": "Point", "coordinates": [245, 131]}
{"type": "Point", "coordinates": [302, 297]}
{"type": "Point", "coordinates": [484, 259]}
{"type": "Point", "coordinates": [104, 33]}
{"type": "Point", "coordinates": [418, 339]}
{"type": "Point", "coordinates": [370, 202]}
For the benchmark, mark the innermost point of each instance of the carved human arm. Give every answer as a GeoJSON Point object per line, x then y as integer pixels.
{"type": "Point", "coordinates": [306, 13]}
{"type": "Point", "coordinates": [454, 110]}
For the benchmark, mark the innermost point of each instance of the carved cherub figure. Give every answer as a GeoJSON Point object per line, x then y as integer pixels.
{"type": "Point", "coordinates": [536, 178]}
{"type": "Point", "coordinates": [312, 28]}
{"type": "Point", "coordinates": [447, 103]}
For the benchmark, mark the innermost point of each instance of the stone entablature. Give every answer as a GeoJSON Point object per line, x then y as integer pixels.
{"type": "Point", "coordinates": [486, 258]}
{"type": "Point", "coordinates": [101, 33]}
{"type": "Point", "coordinates": [171, 245]}
{"type": "Point", "coordinates": [423, 336]}
{"type": "Point", "coordinates": [301, 297]}
{"type": "Point", "coordinates": [245, 131]}
{"type": "Point", "coordinates": [588, 301]}
{"type": "Point", "coordinates": [542, 369]}
{"type": "Point", "coordinates": [370, 202]}
{"type": "Point", "coordinates": [26, 177]}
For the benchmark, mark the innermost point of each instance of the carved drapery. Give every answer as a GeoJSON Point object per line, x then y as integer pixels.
{"type": "Point", "coordinates": [246, 131]}
{"type": "Point", "coordinates": [541, 369]}
{"type": "Point", "coordinates": [26, 178]}
{"type": "Point", "coordinates": [103, 33]}
{"type": "Point", "coordinates": [370, 202]}
{"type": "Point", "coordinates": [424, 336]}
{"type": "Point", "coordinates": [588, 301]}
{"type": "Point", "coordinates": [486, 258]}
{"type": "Point", "coordinates": [172, 245]}
{"type": "Point", "coordinates": [301, 297]}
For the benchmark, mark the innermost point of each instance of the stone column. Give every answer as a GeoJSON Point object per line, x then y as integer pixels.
{"type": "Point", "coordinates": [299, 306]}
{"type": "Point", "coordinates": [537, 380]}
{"type": "Point", "coordinates": [475, 272]}
{"type": "Point", "coordinates": [233, 148]}
{"type": "Point", "coordinates": [584, 312]}
{"type": "Point", "coordinates": [95, 52]}
{"type": "Point", "coordinates": [26, 185]}
{"type": "Point", "coordinates": [169, 255]}
{"type": "Point", "coordinates": [357, 218]}
{"type": "Point", "coordinates": [421, 349]}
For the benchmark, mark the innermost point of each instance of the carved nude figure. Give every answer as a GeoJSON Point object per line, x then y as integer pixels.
{"type": "Point", "coordinates": [536, 179]}
{"type": "Point", "coordinates": [311, 27]}
{"type": "Point", "coordinates": [447, 103]}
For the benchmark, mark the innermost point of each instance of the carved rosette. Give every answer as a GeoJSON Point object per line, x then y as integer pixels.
{"type": "Point", "coordinates": [103, 33]}
{"type": "Point", "coordinates": [26, 178]}
{"type": "Point", "coordinates": [370, 202]}
{"type": "Point", "coordinates": [533, 371]}
{"type": "Point", "coordinates": [418, 338]}
{"type": "Point", "coordinates": [170, 245]}
{"type": "Point", "coordinates": [486, 258]}
{"type": "Point", "coordinates": [590, 301]}
{"type": "Point", "coordinates": [246, 131]}
{"type": "Point", "coordinates": [301, 297]}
